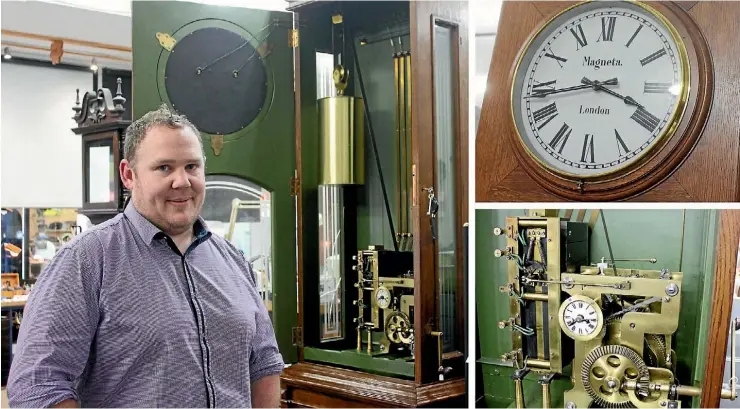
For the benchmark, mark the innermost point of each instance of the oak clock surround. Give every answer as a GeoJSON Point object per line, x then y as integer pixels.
{"type": "Point", "coordinates": [659, 126]}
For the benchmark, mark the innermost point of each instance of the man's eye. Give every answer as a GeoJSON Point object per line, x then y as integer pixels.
{"type": "Point", "coordinates": [191, 166]}
{"type": "Point", "coordinates": [163, 168]}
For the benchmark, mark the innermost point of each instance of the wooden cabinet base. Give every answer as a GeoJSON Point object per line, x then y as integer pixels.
{"type": "Point", "coordinates": [306, 385]}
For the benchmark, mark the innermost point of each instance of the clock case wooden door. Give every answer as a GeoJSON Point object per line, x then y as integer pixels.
{"type": "Point", "coordinates": [282, 151]}
{"type": "Point", "coordinates": [705, 142]}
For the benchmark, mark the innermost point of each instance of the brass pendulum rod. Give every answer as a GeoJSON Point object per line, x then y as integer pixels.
{"type": "Point", "coordinates": [397, 88]}
{"type": "Point", "coordinates": [402, 130]}
{"type": "Point", "coordinates": [407, 143]}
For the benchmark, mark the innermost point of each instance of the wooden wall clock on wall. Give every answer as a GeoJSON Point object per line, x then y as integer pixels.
{"type": "Point", "coordinates": [622, 100]}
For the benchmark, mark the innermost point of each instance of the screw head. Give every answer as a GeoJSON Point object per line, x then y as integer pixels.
{"type": "Point", "coordinates": [671, 289]}
{"type": "Point", "coordinates": [570, 405]}
{"type": "Point", "coordinates": [612, 384]}
{"type": "Point", "coordinates": [662, 403]}
{"type": "Point", "coordinates": [632, 325]}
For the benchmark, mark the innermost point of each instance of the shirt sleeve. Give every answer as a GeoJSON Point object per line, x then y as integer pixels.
{"type": "Point", "coordinates": [59, 322]}
{"type": "Point", "coordinates": [265, 359]}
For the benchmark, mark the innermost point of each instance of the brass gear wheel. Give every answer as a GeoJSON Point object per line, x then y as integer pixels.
{"type": "Point", "coordinates": [607, 368]}
{"type": "Point", "coordinates": [656, 350]}
{"type": "Point", "coordinates": [398, 328]}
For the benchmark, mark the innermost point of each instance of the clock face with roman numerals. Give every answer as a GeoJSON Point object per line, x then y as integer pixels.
{"type": "Point", "coordinates": [599, 87]}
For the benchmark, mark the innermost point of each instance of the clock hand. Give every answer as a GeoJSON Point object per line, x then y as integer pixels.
{"type": "Point", "coordinates": [599, 87]}
{"type": "Point", "coordinates": [236, 72]}
{"type": "Point", "coordinates": [541, 93]}
{"type": "Point", "coordinates": [199, 70]}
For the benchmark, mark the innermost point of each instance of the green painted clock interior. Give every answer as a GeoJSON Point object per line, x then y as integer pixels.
{"type": "Point", "coordinates": [349, 316]}
{"type": "Point", "coordinates": [231, 71]}
{"type": "Point", "coordinates": [681, 241]}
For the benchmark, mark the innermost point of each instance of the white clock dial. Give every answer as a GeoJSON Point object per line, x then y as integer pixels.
{"type": "Point", "coordinates": [598, 87]}
{"type": "Point", "coordinates": [580, 318]}
{"type": "Point", "coordinates": [383, 297]}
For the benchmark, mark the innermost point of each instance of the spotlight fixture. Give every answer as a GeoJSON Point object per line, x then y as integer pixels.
{"type": "Point", "coordinates": [6, 54]}
{"type": "Point", "coordinates": [94, 65]}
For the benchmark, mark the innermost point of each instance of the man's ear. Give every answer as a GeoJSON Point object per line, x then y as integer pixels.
{"type": "Point", "coordinates": [127, 174]}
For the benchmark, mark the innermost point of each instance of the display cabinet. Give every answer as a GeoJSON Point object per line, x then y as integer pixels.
{"type": "Point", "coordinates": [101, 125]}
{"type": "Point", "coordinates": [628, 308]}
{"type": "Point", "coordinates": [337, 133]}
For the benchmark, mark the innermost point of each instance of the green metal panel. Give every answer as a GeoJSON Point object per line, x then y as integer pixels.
{"type": "Point", "coordinates": [354, 359]}
{"type": "Point", "coordinates": [633, 234]}
{"type": "Point", "coordinates": [371, 221]}
{"type": "Point", "coordinates": [263, 152]}
{"type": "Point", "coordinates": [376, 61]}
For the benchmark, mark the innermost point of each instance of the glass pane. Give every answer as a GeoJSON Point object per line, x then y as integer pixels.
{"type": "Point", "coordinates": [48, 231]}
{"type": "Point", "coordinates": [239, 210]}
{"type": "Point", "coordinates": [445, 98]}
{"type": "Point", "coordinates": [726, 403]}
{"type": "Point", "coordinates": [331, 204]}
{"type": "Point", "coordinates": [11, 236]}
{"type": "Point", "coordinates": [324, 75]}
{"type": "Point", "coordinates": [101, 173]}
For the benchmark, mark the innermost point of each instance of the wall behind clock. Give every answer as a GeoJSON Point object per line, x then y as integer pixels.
{"type": "Point", "coordinates": [39, 154]}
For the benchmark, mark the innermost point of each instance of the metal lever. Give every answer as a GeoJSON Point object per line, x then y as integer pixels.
{"type": "Point", "coordinates": [545, 382]}
{"type": "Point", "coordinates": [734, 327]}
{"type": "Point", "coordinates": [432, 210]}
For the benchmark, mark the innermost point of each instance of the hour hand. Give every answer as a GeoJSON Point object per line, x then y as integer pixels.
{"type": "Point", "coordinates": [599, 86]}
{"type": "Point", "coordinates": [541, 93]}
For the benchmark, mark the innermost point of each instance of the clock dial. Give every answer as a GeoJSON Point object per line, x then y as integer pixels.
{"type": "Point", "coordinates": [581, 318]}
{"type": "Point", "coordinates": [217, 79]}
{"type": "Point", "coordinates": [383, 297]}
{"type": "Point", "coordinates": [598, 88]}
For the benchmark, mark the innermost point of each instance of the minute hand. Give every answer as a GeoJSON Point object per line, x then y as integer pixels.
{"type": "Point", "coordinates": [541, 93]}
{"type": "Point", "coordinates": [599, 87]}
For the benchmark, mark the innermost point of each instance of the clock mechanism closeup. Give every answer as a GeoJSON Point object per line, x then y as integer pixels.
{"type": "Point", "coordinates": [609, 334]}
{"type": "Point", "coordinates": [385, 302]}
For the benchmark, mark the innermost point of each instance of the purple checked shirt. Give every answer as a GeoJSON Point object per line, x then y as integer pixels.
{"type": "Point", "coordinates": [120, 318]}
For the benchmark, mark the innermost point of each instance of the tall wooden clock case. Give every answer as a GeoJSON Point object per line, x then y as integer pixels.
{"type": "Point", "coordinates": [251, 81]}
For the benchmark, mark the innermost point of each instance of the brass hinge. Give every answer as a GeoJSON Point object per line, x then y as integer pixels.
{"type": "Point", "coordinates": [298, 337]}
{"type": "Point", "coordinates": [293, 38]}
{"type": "Point", "coordinates": [295, 186]}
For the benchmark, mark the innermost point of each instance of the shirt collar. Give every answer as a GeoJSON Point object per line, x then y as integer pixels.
{"type": "Point", "coordinates": [149, 232]}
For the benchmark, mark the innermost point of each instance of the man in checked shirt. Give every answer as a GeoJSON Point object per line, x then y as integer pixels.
{"type": "Point", "coordinates": [149, 309]}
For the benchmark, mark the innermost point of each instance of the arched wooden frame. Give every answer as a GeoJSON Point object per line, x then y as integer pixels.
{"type": "Point", "coordinates": [505, 171]}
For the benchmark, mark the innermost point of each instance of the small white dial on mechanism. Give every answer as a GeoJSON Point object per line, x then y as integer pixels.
{"type": "Point", "coordinates": [581, 318]}
{"type": "Point", "coordinates": [383, 297]}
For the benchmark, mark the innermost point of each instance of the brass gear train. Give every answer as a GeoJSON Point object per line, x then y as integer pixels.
{"type": "Point", "coordinates": [656, 350]}
{"type": "Point", "coordinates": [604, 371]}
{"type": "Point", "coordinates": [398, 328]}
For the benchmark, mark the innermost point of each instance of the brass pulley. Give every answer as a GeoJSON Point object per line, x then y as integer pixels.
{"type": "Point", "coordinates": [341, 78]}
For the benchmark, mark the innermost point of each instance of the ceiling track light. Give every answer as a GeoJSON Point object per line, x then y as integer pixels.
{"type": "Point", "coordinates": [94, 65]}
{"type": "Point", "coordinates": [6, 54]}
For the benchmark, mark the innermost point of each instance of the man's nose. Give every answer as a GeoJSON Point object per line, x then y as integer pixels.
{"type": "Point", "coordinates": [181, 179]}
